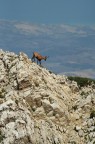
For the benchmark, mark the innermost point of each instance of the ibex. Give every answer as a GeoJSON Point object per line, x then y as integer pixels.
{"type": "Point", "coordinates": [38, 57]}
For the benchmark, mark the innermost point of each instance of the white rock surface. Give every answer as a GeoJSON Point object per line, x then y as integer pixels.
{"type": "Point", "coordinates": [39, 107]}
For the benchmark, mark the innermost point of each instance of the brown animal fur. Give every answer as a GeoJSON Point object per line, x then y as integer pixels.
{"type": "Point", "coordinates": [38, 57]}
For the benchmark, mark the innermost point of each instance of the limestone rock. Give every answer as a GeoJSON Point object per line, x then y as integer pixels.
{"type": "Point", "coordinates": [39, 107]}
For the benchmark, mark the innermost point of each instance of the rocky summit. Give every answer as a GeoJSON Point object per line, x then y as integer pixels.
{"type": "Point", "coordinates": [39, 107]}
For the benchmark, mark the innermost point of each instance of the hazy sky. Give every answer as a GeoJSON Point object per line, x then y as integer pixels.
{"type": "Point", "coordinates": [49, 11]}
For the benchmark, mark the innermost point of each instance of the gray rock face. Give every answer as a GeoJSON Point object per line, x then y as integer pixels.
{"type": "Point", "coordinates": [39, 107]}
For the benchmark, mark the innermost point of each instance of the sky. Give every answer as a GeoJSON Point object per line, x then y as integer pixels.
{"type": "Point", "coordinates": [81, 12]}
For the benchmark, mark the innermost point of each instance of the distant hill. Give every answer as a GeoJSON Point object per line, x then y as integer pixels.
{"type": "Point", "coordinates": [70, 48]}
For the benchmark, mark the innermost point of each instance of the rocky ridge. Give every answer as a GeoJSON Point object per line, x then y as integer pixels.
{"type": "Point", "coordinates": [39, 107]}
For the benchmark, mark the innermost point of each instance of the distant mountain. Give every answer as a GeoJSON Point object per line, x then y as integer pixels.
{"type": "Point", "coordinates": [70, 48]}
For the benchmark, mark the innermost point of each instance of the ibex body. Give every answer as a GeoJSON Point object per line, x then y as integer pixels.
{"type": "Point", "coordinates": [38, 57]}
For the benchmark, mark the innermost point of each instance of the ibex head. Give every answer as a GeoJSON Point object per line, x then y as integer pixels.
{"type": "Point", "coordinates": [46, 57]}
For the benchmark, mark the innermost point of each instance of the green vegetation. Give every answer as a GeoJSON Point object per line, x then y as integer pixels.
{"type": "Point", "coordinates": [74, 107]}
{"type": "Point", "coordinates": [82, 81]}
{"type": "Point", "coordinates": [92, 114]}
{"type": "Point", "coordinates": [84, 94]}
{"type": "Point", "coordinates": [2, 93]}
{"type": "Point", "coordinates": [1, 136]}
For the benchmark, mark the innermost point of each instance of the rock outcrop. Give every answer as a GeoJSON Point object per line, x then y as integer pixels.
{"type": "Point", "coordinates": [39, 107]}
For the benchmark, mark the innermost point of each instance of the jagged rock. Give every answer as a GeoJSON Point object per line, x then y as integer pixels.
{"type": "Point", "coordinates": [81, 133]}
{"type": "Point", "coordinates": [57, 110]}
{"type": "Point", "coordinates": [74, 87]}
{"type": "Point", "coordinates": [47, 106]}
{"type": "Point", "coordinates": [77, 128]}
{"type": "Point", "coordinates": [39, 107]}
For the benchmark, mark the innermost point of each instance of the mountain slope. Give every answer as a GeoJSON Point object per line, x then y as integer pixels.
{"type": "Point", "coordinates": [37, 106]}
